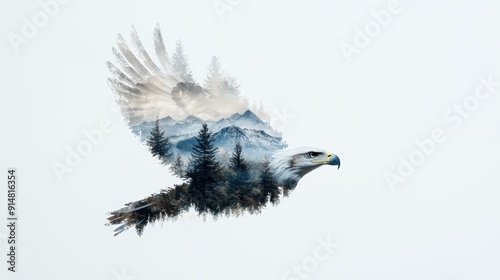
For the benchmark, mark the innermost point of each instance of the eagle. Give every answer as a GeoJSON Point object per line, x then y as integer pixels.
{"type": "Point", "coordinates": [230, 158]}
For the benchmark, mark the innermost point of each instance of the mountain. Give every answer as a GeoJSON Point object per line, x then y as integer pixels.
{"type": "Point", "coordinates": [191, 118]}
{"type": "Point", "coordinates": [256, 144]}
{"type": "Point", "coordinates": [247, 128]}
{"type": "Point", "coordinates": [248, 119]}
{"type": "Point", "coordinates": [167, 121]}
{"type": "Point", "coordinates": [250, 116]}
{"type": "Point", "coordinates": [223, 122]}
{"type": "Point", "coordinates": [234, 116]}
{"type": "Point", "coordinates": [147, 126]}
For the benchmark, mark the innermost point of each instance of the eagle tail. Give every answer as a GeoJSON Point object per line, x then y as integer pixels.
{"type": "Point", "coordinates": [168, 204]}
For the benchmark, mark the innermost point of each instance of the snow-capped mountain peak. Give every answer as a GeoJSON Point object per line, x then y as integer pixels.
{"type": "Point", "coordinates": [249, 115]}
{"type": "Point", "coordinates": [234, 116]}
{"type": "Point", "coordinates": [191, 118]}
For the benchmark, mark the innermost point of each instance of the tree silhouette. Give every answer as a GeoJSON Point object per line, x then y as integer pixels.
{"type": "Point", "coordinates": [269, 188]}
{"type": "Point", "coordinates": [203, 173]}
{"type": "Point", "coordinates": [159, 145]}
{"type": "Point", "coordinates": [214, 79]}
{"type": "Point", "coordinates": [230, 85]}
{"type": "Point", "coordinates": [178, 168]}
{"type": "Point", "coordinates": [287, 186]}
{"type": "Point", "coordinates": [239, 186]}
{"type": "Point", "coordinates": [169, 203]}
{"type": "Point", "coordinates": [180, 63]}
{"type": "Point", "coordinates": [238, 164]}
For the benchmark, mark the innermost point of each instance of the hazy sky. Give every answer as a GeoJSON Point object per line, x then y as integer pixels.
{"type": "Point", "coordinates": [415, 75]}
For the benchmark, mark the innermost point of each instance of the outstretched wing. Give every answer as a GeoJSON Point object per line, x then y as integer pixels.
{"type": "Point", "coordinates": [143, 87]}
{"type": "Point", "coordinates": [150, 88]}
{"type": "Point", "coordinates": [225, 142]}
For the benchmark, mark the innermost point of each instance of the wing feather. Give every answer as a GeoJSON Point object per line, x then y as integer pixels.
{"type": "Point", "coordinates": [144, 88]}
{"type": "Point", "coordinates": [141, 52]}
{"type": "Point", "coordinates": [161, 51]}
{"type": "Point", "coordinates": [119, 75]}
{"type": "Point", "coordinates": [131, 58]}
{"type": "Point", "coordinates": [124, 65]}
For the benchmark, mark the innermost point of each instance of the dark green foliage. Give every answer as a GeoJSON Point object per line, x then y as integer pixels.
{"type": "Point", "coordinates": [168, 204]}
{"type": "Point", "coordinates": [238, 164]}
{"type": "Point", "coordinates": [268, 185]}
{"type": "Point", "coordinates": [204, 173]}
{"type": "Point", "coordinates": [210, 187]}
{"type": "Point", "coordinates": [287, 186]}
{"type": "Point", "coordinates": [178, 167]}
{"type": "Point", "coordinates": [240, 185]}
{"type": "Point", "coordinates": [158, 144]}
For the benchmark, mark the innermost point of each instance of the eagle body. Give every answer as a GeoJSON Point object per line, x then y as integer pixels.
{"type": "Point", "coordinates": [225, 151]}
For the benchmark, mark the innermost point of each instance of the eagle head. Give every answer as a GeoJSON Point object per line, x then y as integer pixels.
{"type": "Point", "coordinates": [296, 162]}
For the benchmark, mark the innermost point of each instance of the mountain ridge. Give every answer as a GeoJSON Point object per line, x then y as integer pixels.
{"type": "Point", "coordinates": [256, 136]}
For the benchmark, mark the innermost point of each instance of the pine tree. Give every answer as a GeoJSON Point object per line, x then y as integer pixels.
{"type": "Point", "coordinates": [269, 188]}
{"type": "Point", "coordinates": [237, 162]}
{"type": "Point", "coordinates": [180, 62]}
{"type": "Point", "coordinates": [239, 187]}
{"type": "Point", "coordinates": [158, 144]}
{"type": "Point", "coordinates": [230, 84]}
{"type": "Point", "coordinates": [214, 80]}
{"type": "Point", "coordinates": [178, 167]}
{"type": "Point", "coordinates": [288, 185]}
{"type": "Point", "coordinates": [204, 173]}
{"type": "Point", "coordinates": [239, 166]}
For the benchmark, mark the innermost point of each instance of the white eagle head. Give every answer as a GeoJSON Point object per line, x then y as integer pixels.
{"type": "Point", "coordinates": [294, 163]}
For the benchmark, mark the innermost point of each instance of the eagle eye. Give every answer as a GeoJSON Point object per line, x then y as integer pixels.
{"type": "Point", "coordinates": [311, 154]}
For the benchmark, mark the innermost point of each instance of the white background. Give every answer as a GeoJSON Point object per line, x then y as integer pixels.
{"type": "Point", "coordinates": [443, 222]}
